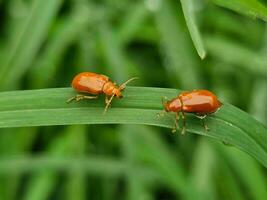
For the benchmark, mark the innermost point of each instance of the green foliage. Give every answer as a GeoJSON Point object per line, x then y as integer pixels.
{"type": "Point", "coordinates": [188, 9]}
{"type": "Point", "coordinates": [254, 8]}
{"type": "Point", "coordinates": [44, 43]}
{"type": "Point", "coordinates": [28, 40]}
{"type": "Point", "coordinates": [140, 106]}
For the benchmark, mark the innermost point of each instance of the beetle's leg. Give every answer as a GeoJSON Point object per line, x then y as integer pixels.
{"type": "Point", "coordinates": [108, 103]}
{"type": "Point", "coordinates": [106, 100]}
{"type": "Point", "coordinates": [204, 124]}
{"type": "Point", "coordinates": [202, 117]}
{"type": "Point", "coordinates": [184, 124]}
{"type": "Point", "coordinates": [79, 97]}
{"type": "Point", "coordinates": [162, 113]}
{"type": "Point", "coordinates": [176, 120]}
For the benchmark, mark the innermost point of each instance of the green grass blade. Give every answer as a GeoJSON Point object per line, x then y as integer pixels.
{"type": "Point", "coordinates": [228, 184]}
{"type": "Point", "coordinates": [229, 23]}
{"type": "Point", "coordinates": [28, 41]}
{"type": "Point", "coordinates": [116, 60]}
{"type": "Point", "coordinates": [253, 8]}
{"type": "Point", "coordinates": [42, 183]}
{"type": "Point", "coordinates": [65, 34]}
{"type": "Point", "coordinates": [254, 181]}
{"type": "Point", "coordinates": [176, 48]}
{"type": "Point", "coordinates": [24, 139]}
{"type": "Point", "coordinates": [137, 188]}
{"type": "Point", "coordinates": [145, 141]}
{"type": "Point", "coordinates": [188, 10]}
{"type": "Point", "coordinates": [231, 52]}
{"type": "Point", "coordinates": [260, 97]}
{"type": "Point", "coordinates": [132, 22]}
{"type": "Point", "coordinates": [75, 186]}
{"type": "Point", "coordinates": [203, 168]}
{"type": "Point", "coordinates": [140, 105]}
{"type": "Point", "coordinates": [96, 165]}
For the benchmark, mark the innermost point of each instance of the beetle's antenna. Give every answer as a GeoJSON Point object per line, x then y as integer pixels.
{"type": "Point", "coordinates": [122, 86]}
{"type": "Point", "coordinates": [108, 103]}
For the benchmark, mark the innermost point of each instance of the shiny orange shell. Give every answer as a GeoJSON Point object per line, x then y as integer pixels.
{"type": "Point", "coordinates": [197, 101]}
{"type": "Point", "coordinates": [89, 82]}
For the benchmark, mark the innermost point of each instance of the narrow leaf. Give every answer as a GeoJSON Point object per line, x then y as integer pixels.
{"type": "Point", "coordinates": [140, 105]}
{"type": "Point", "coordinates": [188, 10]}
{"type": "Point", "coordinates": [253, 8]}
{"type": "Point", "coordinates": [176, 47]}
{"type": "Point", "coordinates": [96, 165]}
{"type": "Point", "coordinates": [29, 39]}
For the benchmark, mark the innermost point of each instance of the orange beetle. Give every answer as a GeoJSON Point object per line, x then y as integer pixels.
{"type": "Point", "coordinates": [200, 102]}
{"type": "Point", "coordinates": [92, 83]}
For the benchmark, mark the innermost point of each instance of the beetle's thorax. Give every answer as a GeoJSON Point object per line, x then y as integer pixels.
{"type": "Point", "coordinates": [174, 105]}
{"type": "Point", "coordinates": [110, 88]}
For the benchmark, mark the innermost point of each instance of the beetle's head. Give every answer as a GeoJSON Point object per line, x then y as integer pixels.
{"type": "Point", "coordinates": [117, 93]}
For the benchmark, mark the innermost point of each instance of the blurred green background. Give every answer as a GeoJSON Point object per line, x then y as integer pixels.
{"type": "Point", "coordinates": [45, 43]}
